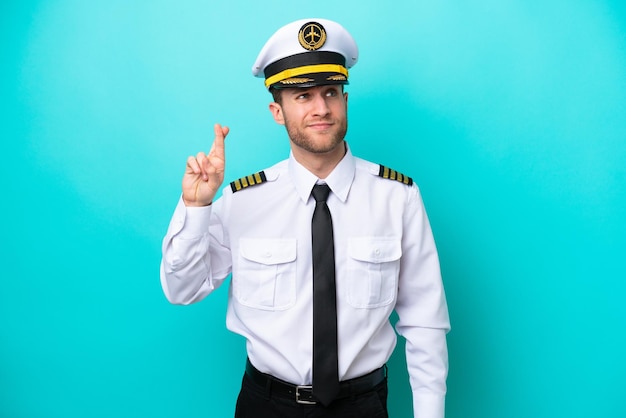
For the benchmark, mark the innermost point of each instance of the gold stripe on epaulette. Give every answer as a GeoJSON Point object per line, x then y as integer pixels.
{"type": "Point", "coordinates": [388, 173]}
{"type": "Point", "coordinates": [247, 181]}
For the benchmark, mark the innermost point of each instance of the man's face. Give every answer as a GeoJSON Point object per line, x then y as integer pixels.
{"type": "Point", "coordinates": [315, 117]}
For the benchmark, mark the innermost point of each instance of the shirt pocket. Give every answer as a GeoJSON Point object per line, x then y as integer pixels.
{"type": "Point", "coordinates": [373, 266]}
{"type": "Point", "coordinates": [266, 274]}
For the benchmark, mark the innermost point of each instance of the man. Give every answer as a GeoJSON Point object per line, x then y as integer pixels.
{"type": "Point", "coordinates": [322, 248]}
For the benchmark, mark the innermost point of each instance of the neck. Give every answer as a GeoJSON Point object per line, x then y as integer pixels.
{"type": "Point", "coordinates": [320, 164]}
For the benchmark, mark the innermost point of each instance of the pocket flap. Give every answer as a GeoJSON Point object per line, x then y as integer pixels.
{"type": "Point", "coordinates": [375, 250]}
{"type": "Point", "coordinates": [268, 251]}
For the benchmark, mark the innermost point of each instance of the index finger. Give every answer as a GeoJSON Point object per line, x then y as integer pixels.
{"type": "Point", "coordinates": [220, 135]}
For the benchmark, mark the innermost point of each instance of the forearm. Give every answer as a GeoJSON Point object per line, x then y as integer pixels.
{"type": "Point", "coordinates": [187, 268]}
{"type": "Point", "coordinates": [427, 363]}
{"type": "Point", "coordinates": [424, 322]}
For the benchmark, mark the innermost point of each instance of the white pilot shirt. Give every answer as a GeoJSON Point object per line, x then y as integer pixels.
{"type": "Point", "coordinates": [385, 258]}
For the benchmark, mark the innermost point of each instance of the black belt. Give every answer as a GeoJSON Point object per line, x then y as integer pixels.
{"type": "Point", "coordinates": [304, 393]}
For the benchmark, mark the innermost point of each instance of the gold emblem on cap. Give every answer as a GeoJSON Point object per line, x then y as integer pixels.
{"type": "Point", "coordinates": [296, 80]}
{"type": "Point", "coordinates": [312, 36]}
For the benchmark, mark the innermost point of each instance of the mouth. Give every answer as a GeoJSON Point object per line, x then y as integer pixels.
{"type": "Point", "coordinates": [320, 126]}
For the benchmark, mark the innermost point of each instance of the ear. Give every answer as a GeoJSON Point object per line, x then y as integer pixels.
{"type": "Point", "coordinates": [277, 113]}
{"type": "Point", "coordinates": [345, 98]}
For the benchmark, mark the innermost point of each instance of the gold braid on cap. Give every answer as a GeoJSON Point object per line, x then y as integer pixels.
{"type": "Point", "coordinates": [296, 80]}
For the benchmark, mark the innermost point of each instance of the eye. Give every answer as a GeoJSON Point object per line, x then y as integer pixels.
{"type": "Point", "coordinates": [331, 93]}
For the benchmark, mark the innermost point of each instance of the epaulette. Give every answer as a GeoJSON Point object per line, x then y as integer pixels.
{"type": "Point", "coordinates": [247, 181]}
{"type": "Point", "coordinates": [387, 173]}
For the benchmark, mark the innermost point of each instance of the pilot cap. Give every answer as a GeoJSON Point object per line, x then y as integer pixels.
{"type": "Point", "coordinates": [307, 53]}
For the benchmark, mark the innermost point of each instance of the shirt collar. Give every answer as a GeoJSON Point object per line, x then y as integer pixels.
{"type": "Point", "coordinates": [339, 180]}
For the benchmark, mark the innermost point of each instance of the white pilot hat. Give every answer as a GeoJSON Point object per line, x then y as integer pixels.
{"type": "Point", "coordinates": [306, 53]}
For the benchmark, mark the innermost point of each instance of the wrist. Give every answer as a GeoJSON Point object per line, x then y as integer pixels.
{"type": "Point", "coordinates": [196, 204]}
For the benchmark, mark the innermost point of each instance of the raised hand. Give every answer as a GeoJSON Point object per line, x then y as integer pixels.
{"type": "Point", "coordinates": [204, 174]}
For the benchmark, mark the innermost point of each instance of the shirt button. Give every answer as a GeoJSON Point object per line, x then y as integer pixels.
{"type": "Point", "coordinates": [268, 255]}
{"type": "Point", "coordinates": [377, 251]}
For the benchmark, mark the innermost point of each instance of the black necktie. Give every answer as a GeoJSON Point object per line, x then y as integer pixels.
{"type": "Point", "coordinates": [325, 361]}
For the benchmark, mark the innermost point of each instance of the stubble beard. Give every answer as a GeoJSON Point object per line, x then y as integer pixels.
{"type": "Point", "coordinates": [310, 144]}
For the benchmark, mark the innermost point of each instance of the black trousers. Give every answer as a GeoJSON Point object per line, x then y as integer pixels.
{"type": "Point", "coordinates": [256, 401]}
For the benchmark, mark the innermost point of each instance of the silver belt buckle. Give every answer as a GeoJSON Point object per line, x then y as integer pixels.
{"type": "Point", "coordinates": [304, 401]}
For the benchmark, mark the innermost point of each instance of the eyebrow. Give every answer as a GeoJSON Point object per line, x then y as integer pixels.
{"type": "Point", "coordinates": [324, 89]}
{"type": "Point", "coordinates": [298, 91]}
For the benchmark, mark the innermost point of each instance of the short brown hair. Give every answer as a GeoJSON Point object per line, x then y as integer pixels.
{"type": "Point", "coordinates": [276, 95]}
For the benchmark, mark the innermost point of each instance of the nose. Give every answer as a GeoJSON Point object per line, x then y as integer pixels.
{"type": "Point", "coordinates": [320, 106]}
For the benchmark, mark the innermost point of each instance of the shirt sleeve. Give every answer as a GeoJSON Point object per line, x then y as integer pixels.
{"type": "Point", "coordinates": [195, 261]}
{"type": "Point", "coordinates": [423, 312]}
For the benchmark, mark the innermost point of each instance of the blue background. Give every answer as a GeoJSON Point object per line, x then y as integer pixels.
{"type": "Point", "coordinates": [510, 115]}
